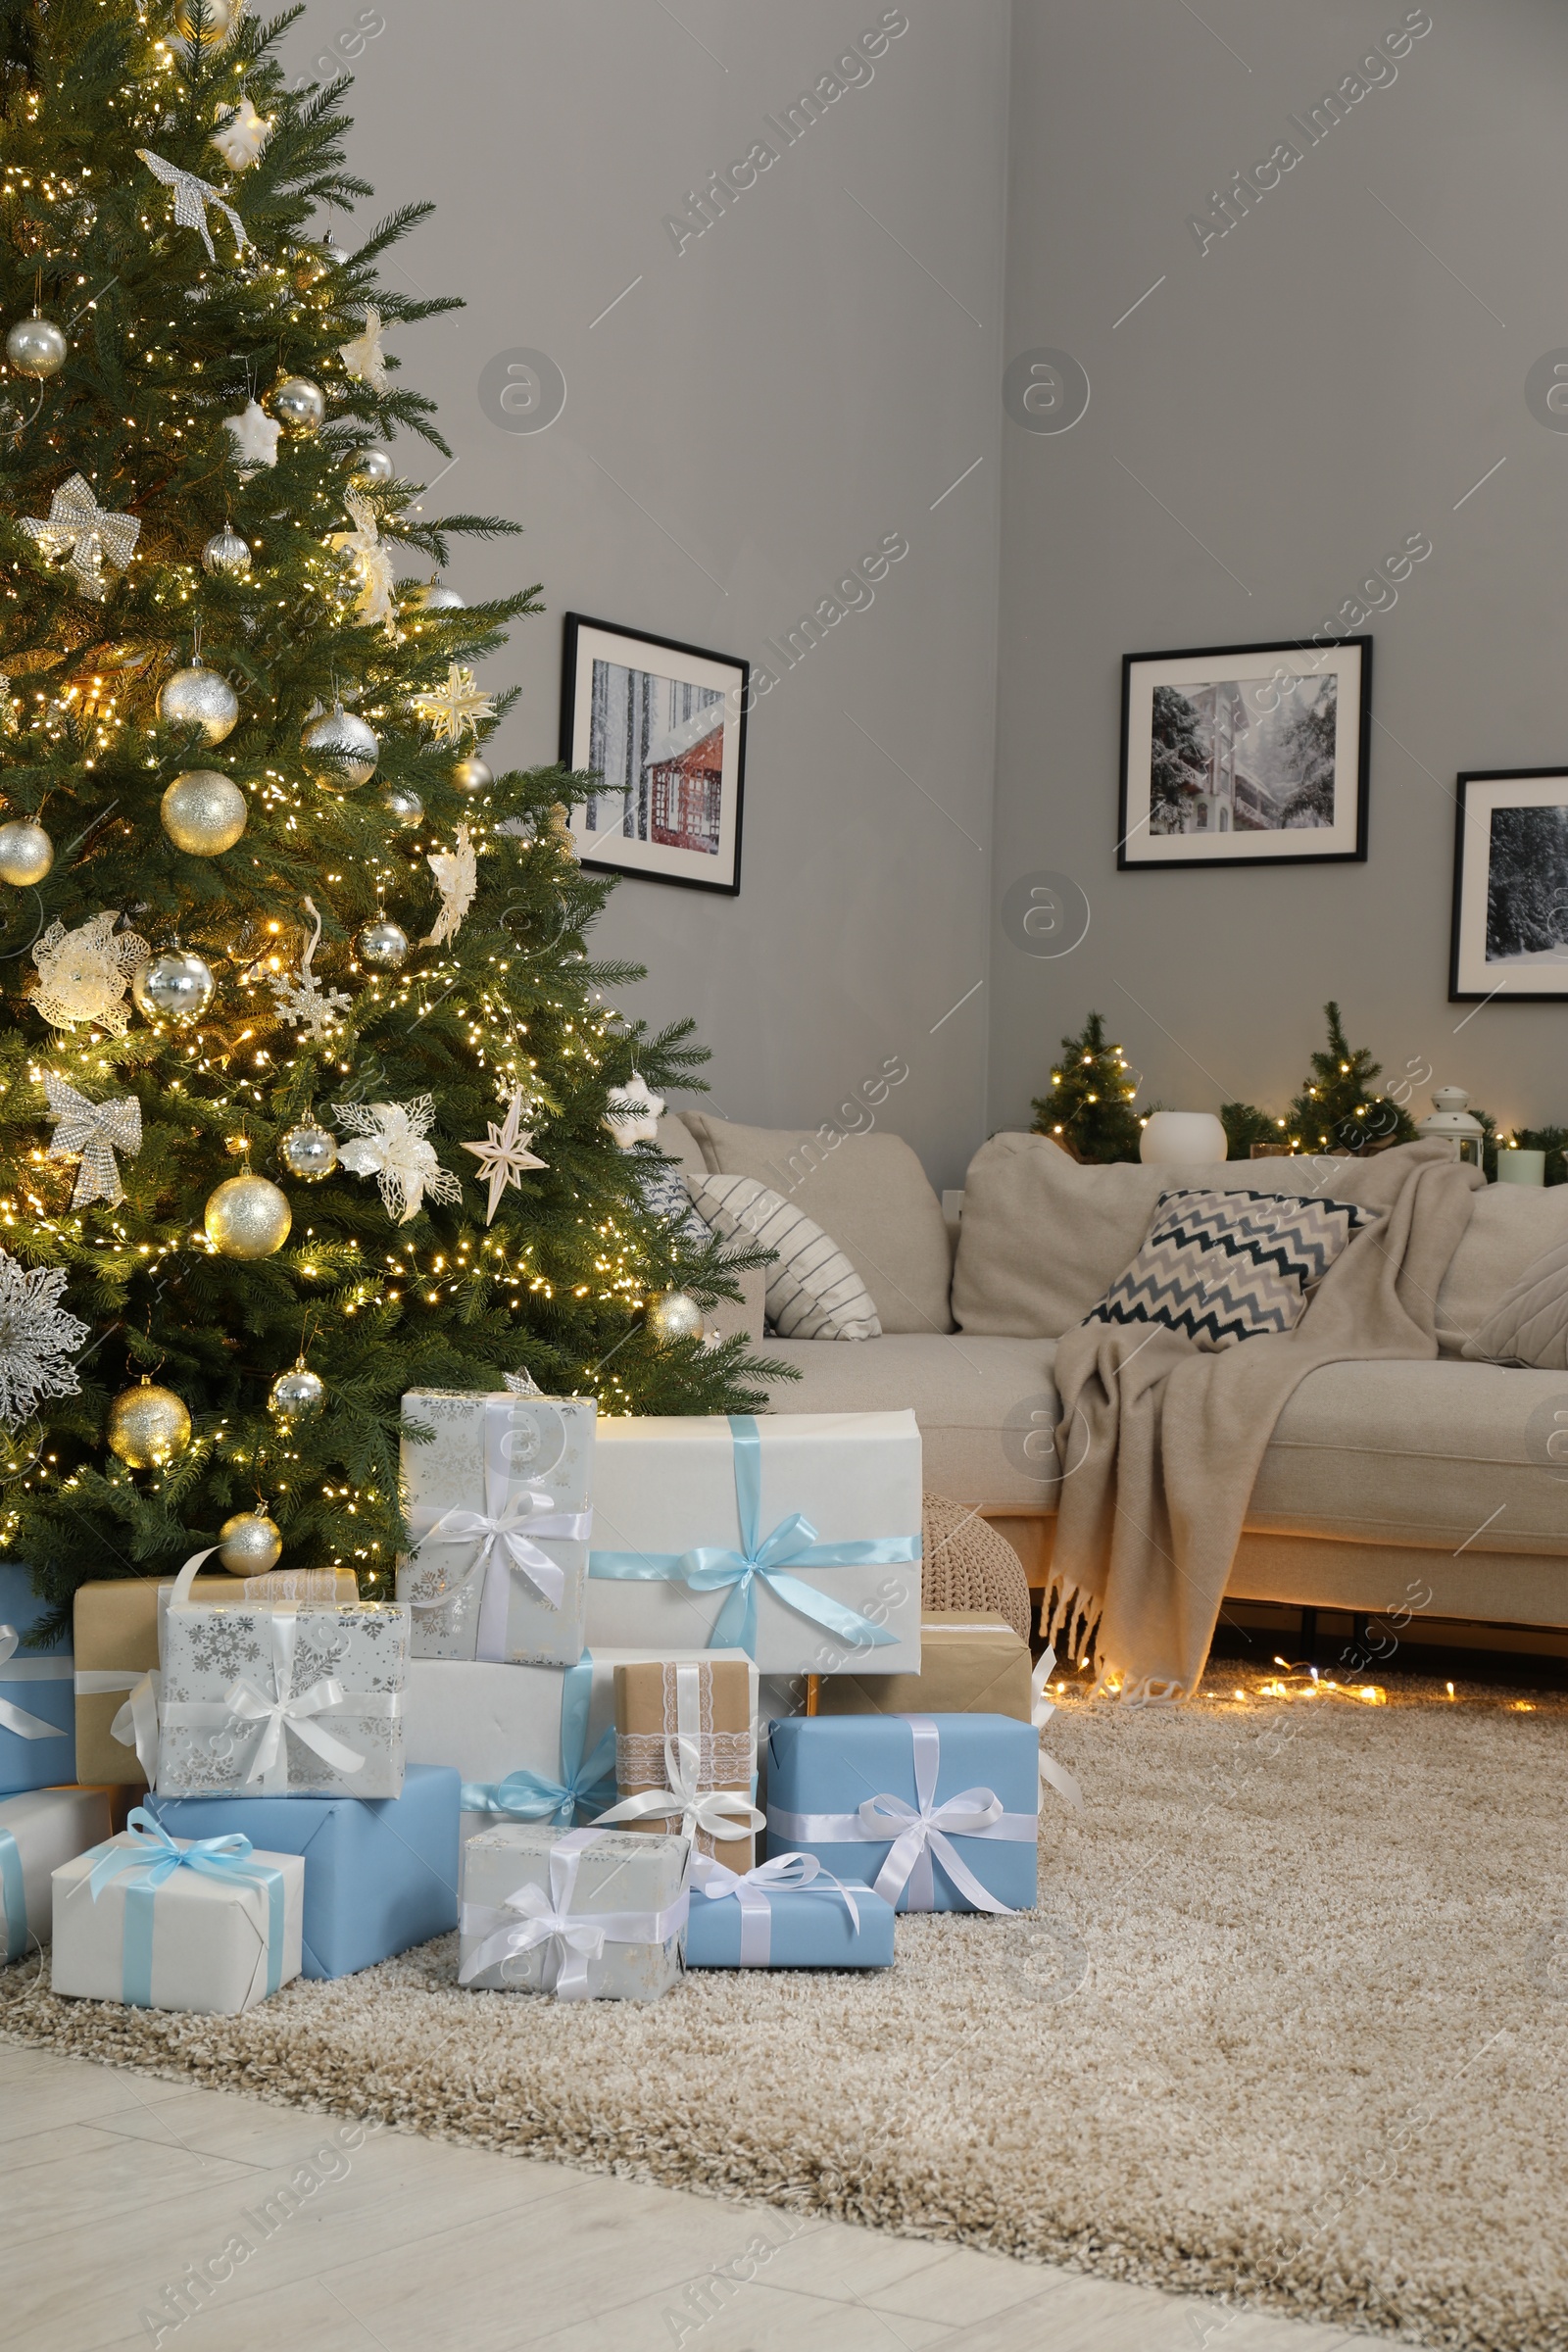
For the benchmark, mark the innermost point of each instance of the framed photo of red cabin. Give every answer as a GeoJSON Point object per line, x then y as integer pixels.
{"type": "Point", "coordinates": [661, 728]}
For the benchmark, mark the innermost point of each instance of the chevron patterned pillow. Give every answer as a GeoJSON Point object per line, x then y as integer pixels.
{"type": "Point", "coordinates": [1223, 1266]}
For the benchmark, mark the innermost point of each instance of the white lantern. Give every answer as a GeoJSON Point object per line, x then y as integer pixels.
{"type": "Point", "coordinates": [1450, 1120]}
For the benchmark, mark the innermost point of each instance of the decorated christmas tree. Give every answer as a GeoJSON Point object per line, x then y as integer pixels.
{"type": "Point", "coordinates": [304, 1070]}
{"type": "Point", "coordinates": [1336, 1109]}
{"type": "Point", "coordinates": [1088, 1107]}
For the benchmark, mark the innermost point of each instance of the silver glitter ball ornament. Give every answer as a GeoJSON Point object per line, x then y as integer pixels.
{"type": "Point", "coordinates": [300, 405]}
{"type": "Point", "coordinates": [36, 347]}
{"type": "Point", "coordinates": [247, 1216]}
{"type": "Point", "coordinates": [175, 986]}
{"type": "Point", "coordinates": [26, 853]}
{"type": "Point", "coordinates": [403, 806]}
{"type": "Point", "coordinates": [250, 1543]}
{"type": "Point", "coordinates": [436, 597]}
{"type": "Point", "coordinates": [373, 466]}
{"type": "Point", "coordinates": [297, 1395]}
{"type": "Point", "coordinates": [340, 749]}
{"type": "Point", "coordinates": [469, 775]}
{"type": "Point", "coordinates": [383, 943]}
{"type": "Point", "coordinates": [204, 813]}
{"type": "Point", "coordinates": [226, 556]}
{"type": "Point", "coordinates": [674, 1315]}
{"type": "Point", "coordinates": [309, 1152]}
{"type": "Point", "coordinates": [199, 696]}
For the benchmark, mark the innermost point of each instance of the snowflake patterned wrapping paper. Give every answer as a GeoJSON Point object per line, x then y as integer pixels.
{"type": "Point", "coordinates": [499, 1507]}
{"type": "Point", "coordinates": [593, 1914]}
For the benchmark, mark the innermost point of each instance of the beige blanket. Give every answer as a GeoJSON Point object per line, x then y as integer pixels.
{"type": "Point", "coordinates": [1160, 1441]}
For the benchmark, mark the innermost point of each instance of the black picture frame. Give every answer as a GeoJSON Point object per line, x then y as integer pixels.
{"type": "Point", "coordinates": [1475, 974]}
{"type": "Point", "coordinates": [1142, 849]}
{"type": "Point", "coordinates": [711, 805]}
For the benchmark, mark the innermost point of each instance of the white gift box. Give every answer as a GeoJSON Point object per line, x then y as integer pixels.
{"type": "Point", "coordinates": [796, 1537]}
{"type": "Point", "coordinates": [38, 1831]}
{"type": "Point", "coordinates": [498, 1506]}
{"type": "Point", "coordinates": [585, 1914]}
{"type": "Point", "coordinates": [207, 1925]}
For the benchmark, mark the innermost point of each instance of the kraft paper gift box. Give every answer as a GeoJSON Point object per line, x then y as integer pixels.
{"type": "Point", "coordinates": [210, 1925]}
{"type": "Point", "coordinates": [586, 1914]}
{"type": "Point", "coordinates": [499, 1512]}
{"type": "Point", "coordinates": [686, 1757]}
{"type": "Point", "coordinates": [39, 1829]}
{"type": "Point", "coordinates": [38, 1705]}
{"type": "Point", "coordinates": [787, 1913]}
{"type": "Point", "coordinates": [937, 1812]}
{"type": "Point", "coordinates": [380, 1874]}
{"type": "Point", "coordinates": [971, 1663]}
{"type": "Point", "coordinates": [796, 1538]}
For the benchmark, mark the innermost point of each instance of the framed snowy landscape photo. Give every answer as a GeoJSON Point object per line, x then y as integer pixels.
{"type": "Point", "coordinates": [1245, 755]}
{"type": "Point", "coordinates": [1510, 886]}
{"type": "Point", "coordinates": [664, 726]}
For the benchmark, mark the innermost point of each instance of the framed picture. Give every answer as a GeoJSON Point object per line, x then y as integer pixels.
{"type": "Point", "coordinates": [1510, 886]}
{"type": "Point", "coordinates": [1245, 755]}
{"type": "Point", "coordinates": [663, 725]}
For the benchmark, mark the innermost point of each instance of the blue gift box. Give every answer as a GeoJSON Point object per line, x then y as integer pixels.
{"type": "Point", "coordinates": [380, 1872]}
{"type": "Point", "coordinates": [791, 1927]}
{"type": "Point", "coordinates": [952, 1804]}
{"type": "Point", "coordinates": [37, 1694]}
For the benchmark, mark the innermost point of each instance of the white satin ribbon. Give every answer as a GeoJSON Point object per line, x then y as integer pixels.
{"type": "Point", "coordinates": [1056, 1775]}
{"type": "Point", "coordinates": [722, 1814]}
{"type": "Point", "coordinates": [28, 1670]}
{"type": "Point", "coordinates": [508, 1542]}
{"type": "Point", "coordinates": [529, 1919]}
{"type": "Point", "coordinates": [246, 1704]}
{"type": "Point", "coordinates": [135, 1724]}
{"type": "Point", "coordinates": [753, 1891]}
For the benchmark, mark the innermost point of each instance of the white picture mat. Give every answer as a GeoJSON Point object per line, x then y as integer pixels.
{"type": "Point", "coordinates": [608, 842]}
{"type": "Point", "coordinates": [1473, 975]}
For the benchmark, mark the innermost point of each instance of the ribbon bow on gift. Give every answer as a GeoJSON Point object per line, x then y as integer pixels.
{"type": "Point", "coordinates": [155, 1857]}
{"type": "Point", "coordinates": [505, 1541]}
{"type": "Point", "coordinates": [585, 1786]}
{"type": "Point", "coordinates": [192, 196]}
{"type": "Point", "coordinates": [529, 1918]}
{"type": "Point", "coordinates": [754, 1890]}
{"type": "Point", "coordinates": [721, 1814]}
{"type": "Point", "coordinates": [1057, 1775]}
{"type": "Point", "coordinates": [251, 1704]}
{"type": "Point", "coordinates": [16, 1719]}
{"type": "Point", "coordinates": [79, 527]}
{"type": "Point", "coordinates": [96, 1130]}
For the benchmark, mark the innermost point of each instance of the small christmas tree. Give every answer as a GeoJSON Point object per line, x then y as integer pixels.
{"type": "Point", "coordinates": [1336, 1112]}
{"type": "Point", "coordinates": [1088, 1111]}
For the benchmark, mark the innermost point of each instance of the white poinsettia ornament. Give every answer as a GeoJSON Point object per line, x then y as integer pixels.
{"type": "Point", "coordinates": [456, 879]}
{"type": "Point", "coordinates": [391, 1145]}
{"type": "Point", "coordinates": [241, 135]}
{"type": "Point", "coordinates": [634, 1113]}
{"type": "Point", "coordinates": [363, 358]}
{"type": "Point", "coordinates": [37, 1336]}
{"type": "Point", "coordinates": [83, 975]}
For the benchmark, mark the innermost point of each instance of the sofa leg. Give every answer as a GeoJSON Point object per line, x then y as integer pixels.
{"type": "Point", "coordinates": [1308, 1633]}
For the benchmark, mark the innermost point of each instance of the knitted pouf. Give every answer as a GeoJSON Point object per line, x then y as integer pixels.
{"type": "Point", "coordinates": [968, 1565]}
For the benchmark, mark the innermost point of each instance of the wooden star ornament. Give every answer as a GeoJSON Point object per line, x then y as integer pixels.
{"type": "Point", "coordinates": [505, 1156]}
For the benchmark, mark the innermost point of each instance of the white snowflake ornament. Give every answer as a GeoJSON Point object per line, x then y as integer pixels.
{"type": "Point", "coordinates": [363, 358]}
{"type": "Point", "coordinates": [241, 134]}
{"type": "Point", "coordinates": [82, 975]}
{"type": "Point", "coordinates": [255, 437]}
{"type": "Point", "coordinates": [456, 879]}
{"type": "Point", "coordinates": [452, 711]}
{"type": "Point", "coordinates": [304, 1003]}
{"type": "Point", "coordinates": [35, 1335]}
{"type": "Point", "coordinates": [392, 1146]}
{"type": "Point", "coordinates": [634, 1113]}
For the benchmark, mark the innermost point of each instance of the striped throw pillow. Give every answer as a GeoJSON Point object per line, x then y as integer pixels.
{"type": "Point", "coordinates": [1224, 1266]}
{"type": "Point", "coordinates": [813, 1293]}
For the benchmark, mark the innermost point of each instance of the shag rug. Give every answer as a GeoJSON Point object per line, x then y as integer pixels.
{"type": "Point", "coordinates": [1288, 2029]}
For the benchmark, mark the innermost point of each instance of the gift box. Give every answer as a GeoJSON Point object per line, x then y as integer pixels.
{"type": "Point", "coordinates": [37, 1711]}
{"type": "Point", "coordinates": [116, 1641]}
{"type": "Point", "coordinates": [499, 1511]}
{"type": "Point", "coordinates": [380, 1873]}
{"type": "Point", "coordinates": [39, 1829]}
{"type": "Point", "coordinates": [210, 1924]}
{"type": "Point", "coordinates": [796, 1538]}
{"type": "Point", "coordinates": [937, 1812]}
{"type": "Point", "coordinates": [971, 1663]}
{"type": "Point", "coordinates": [787, 1913]}
{"type": "Point", "coordinates": [586, 1914]}
{"type": "Point", "coordinates": [686, 1755]}
{"type": "Point", "coordinates": [264, 1700]}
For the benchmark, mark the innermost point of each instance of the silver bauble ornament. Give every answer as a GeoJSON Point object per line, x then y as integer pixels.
{"type": "Point", "coordinates": [36, 347]}
{"type": "Point", "coordinates": [204, 813]}
{"type": "Point", "coordinates": [674, 1315]}
{"type": "Point", "coordinates": [403, 807]}
{"type": "Point", "coordinates": [226, 556]}
{"type": "Point", "coordinates": [309, 1152]}
{"type": "Point", "coordinates": [300, 405]}
{"type": "Point", "coordinates": [26, 853]}
{"type": "Point", "coordinates": [469, 775]}
{"type": "Point", "coordinates": [247, 1216]}
{"type": "Point", "coordinates": [175, 986]}
{"type": "Point", "coordinates": [250, 1543]}
{"type": "Point", "coordinates": [199, 696]}
{"type": "Point", "coordinates": [436, 597]}
{"type": "Point", "coordinates": [373, 466]}
{"type": "Point", "coordinates": [219, 19]}
{"type": "Point", "coordinates": [340, 749]}
{"type": "Point", "coordinates": [383, 943]}
{"type": "Point", "coordinates": [297, 1395]}
{"type": "Point", "coordinates": [333, 253]}
{"type": "Point", "coordinates": [147, 1426]}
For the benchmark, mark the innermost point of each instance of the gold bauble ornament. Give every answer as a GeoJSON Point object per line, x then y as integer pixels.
{"type": "Point", "coordinates": [26, 853]}
{"type": "Point", "coordinates": [471, 774]}
{"type": "Point", "coordinates": [674, 1315]}
{"type": "Point", "coordinates": [199, 696]}
{"type": "Point", "coordinates": [250, 1543]}
{"type": "Point", "coordinates": [218, 21]}
{"type": "Point", "coordinates": [247, 1216]}
{"type": "Point", "coordinates": [147, 1426]}
{"type": "Point", "coordinates": [204, 813]}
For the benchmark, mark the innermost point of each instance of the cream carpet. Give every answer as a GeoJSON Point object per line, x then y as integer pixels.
{"type": "Point", "coordinates": [1289, 2029]}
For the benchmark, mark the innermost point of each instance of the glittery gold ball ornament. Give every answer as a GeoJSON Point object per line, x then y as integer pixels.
{"type": "Point", "coordinates": [247, 1216]}
{"type": "Point", "coordinates": [403, 807]}
{"type": "Point", "coordinates": [250, 1543]}
{"type": "Point", "coordinates": [340, 749]}
{"type": "Point", "coordinates": [297, 1395]}
{"type": "Point", "coordinates": [300, 405]}
{"type": "Point", "coordinates": [373, 466]}
{"type": "Point", "coordinates": [26, 853]}
{"type": "Point", "coordinates": [199, 696]}
{"type": "Point", "coordinates": [175, 986]}
{"type": "Point", "coordinates": [226, 556]}
{"type": "Point", "coordinates": [383, 943]}
{"type": "Point", "coordinates": [469, 775]}
{"type": "Point", "coordinates": [218, 19]}
{"type": "Point", "coordinates": [204, 813]}
{"type": "Point", "coordinates": [309, 1152]}
{"type": "Point", "coordinates": [147, 1426]}
{"type": "Point", "coordinates": [674, 1315]}
{"type": "Point", "coordinates": [36, 347]}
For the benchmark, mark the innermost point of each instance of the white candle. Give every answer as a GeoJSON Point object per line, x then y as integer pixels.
{"type": "Point", "coordinates": [1521, 1168]}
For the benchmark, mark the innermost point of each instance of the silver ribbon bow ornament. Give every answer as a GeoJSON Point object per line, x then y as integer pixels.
{"type": "Point", "coordinates": [192, 196]}
{"type": "Point", "coordinates": [79, 527]}
{"type": "Point", "coordinates": [96, 1131]}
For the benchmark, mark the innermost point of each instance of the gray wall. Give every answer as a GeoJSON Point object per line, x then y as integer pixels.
{"type": "Point", "coordinates": [1320, 383]}
{"type": "Point", "coordinates": [761, 411]}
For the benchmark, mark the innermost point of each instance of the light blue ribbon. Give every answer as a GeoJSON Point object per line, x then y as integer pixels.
{"type": "Point", "coordinates": [157, 1857]}
{"type": "Point", "coordinates": [793, 1544]}
{"type": "Point", "coordinates": [585, 1788]}
{"type": "Point", "coordinates": [15, 1893]}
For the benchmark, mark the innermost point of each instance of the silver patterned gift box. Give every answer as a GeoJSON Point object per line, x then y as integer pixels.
{"type": "Point", "coordinates": [589, 1915]}
{"type": "Point", "coordinates": [499, 1507]}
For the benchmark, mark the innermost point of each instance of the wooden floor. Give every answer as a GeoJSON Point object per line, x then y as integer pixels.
{"type": "Point", "coordinates": [117, 2192]}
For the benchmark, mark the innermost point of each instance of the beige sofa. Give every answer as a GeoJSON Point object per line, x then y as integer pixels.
{"type": "Point", "coordinates": [1437, 1481]}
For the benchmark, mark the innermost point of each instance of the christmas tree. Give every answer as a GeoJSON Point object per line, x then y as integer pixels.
{"type": "Point", "coordinates": [304, 1070]}
{"type": "Point", "coordinates": [1092, 1088]}
{"type": "Point", "coordinates": [1336, 1112]}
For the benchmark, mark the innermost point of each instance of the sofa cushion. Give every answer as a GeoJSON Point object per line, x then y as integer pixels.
{"type": "Point", "coordinates": [1225, 1264]}
{"type": "Point", "coordinates": [1529, 1323]}
{"type": "Point", "coordinates": [1510, 1226]}
{"type": "Point", "coordinates": [869, 1192]}
{"type": "Point", "coordinates": [1043, 1239]}
{"type": "Point", "coordinates": [813, 1293]}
